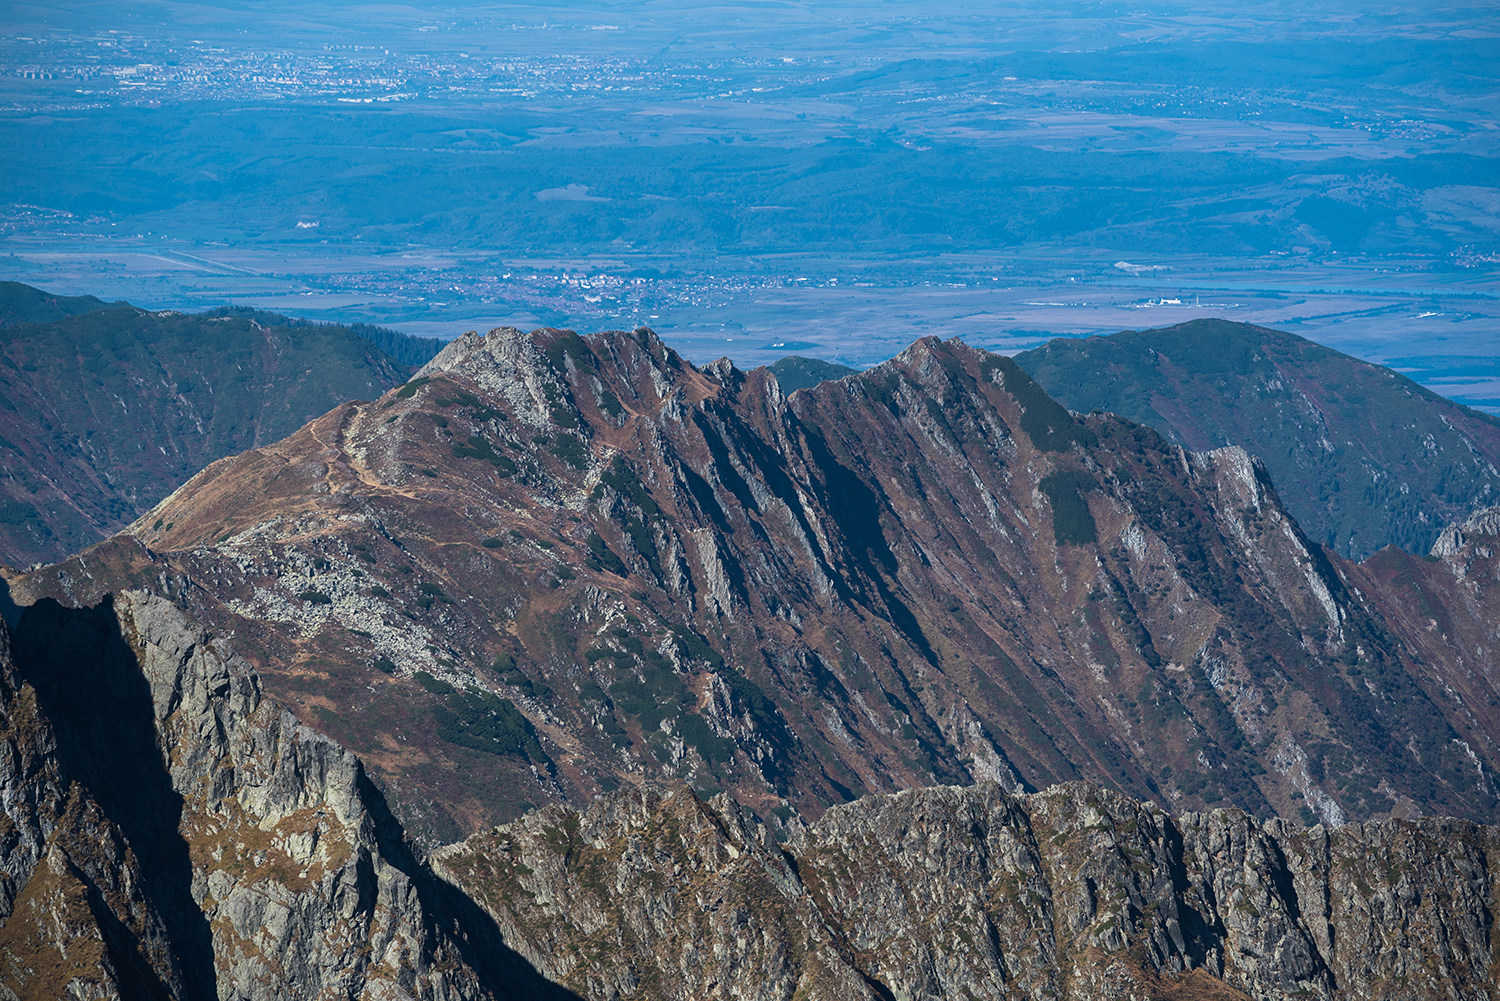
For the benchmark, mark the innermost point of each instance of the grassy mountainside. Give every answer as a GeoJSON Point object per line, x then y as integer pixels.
{"type": "Point", "coordinates": [109, 407]}
{"type": "Point", "coordinates": [404, 348]}
{"type": "Point", "coordinates": [1362, 456]}
{"type": "Point", "coordinates": [550, 565]}
{"type": "Point", "coordinates": [795, 372]}
{"type": "Point", "coordinates": [107, 411]}
{"type": "Point", "coordinates": [24, 304]}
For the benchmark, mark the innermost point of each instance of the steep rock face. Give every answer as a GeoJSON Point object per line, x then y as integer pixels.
{"type": "Point", "coordinates": [1362, 456]}
{"type": "Point", "coordinates": [552, 563]}
{"type": "Point", "coordinates": [946, 892]}
{"type": "Point", "coordinates": [75, 922]}
{"type": "Point", "coordinates": [172, 833]}
{"type": "Point", "coordinates": [1445, 608]}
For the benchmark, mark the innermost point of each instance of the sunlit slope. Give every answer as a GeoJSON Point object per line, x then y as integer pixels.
{"type": "Point", "coordinates": [105, 412]}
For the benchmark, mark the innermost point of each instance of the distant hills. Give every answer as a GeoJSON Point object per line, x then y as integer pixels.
{"type": "Point", "coordinates": [24, 304]}
{"type": "Point", "coordinates": [1362, 456]}
{"type": "Point", "coordinates": [795, 372]}
{"type": "Point", "coordinates": [108, 407]}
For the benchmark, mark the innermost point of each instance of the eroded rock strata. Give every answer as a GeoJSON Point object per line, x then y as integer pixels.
{"type": "Point", "coordinates": [553, 564]}
{"type": "Point", "coordinates": [168, 832]}
{"type": "Point", "coordinates": [947, 892]}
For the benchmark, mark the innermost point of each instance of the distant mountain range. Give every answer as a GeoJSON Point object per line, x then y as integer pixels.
{"type": "Point", "coordinates": [1362, 456]}
{"type": "Point", "coordinates": [108, 407]}
{"type": "Point", "coordinates": [24, 304]}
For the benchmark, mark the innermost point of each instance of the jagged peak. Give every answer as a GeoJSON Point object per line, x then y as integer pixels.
{"type": "Point", "coordinates": [1238, 469]}
{"type": "Point", "coordinates": [1484, 523]}
{"type": "Point", "coordinates": [722, 369]}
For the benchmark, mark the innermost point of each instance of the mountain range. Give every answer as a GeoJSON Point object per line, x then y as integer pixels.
{"type": "Point", "coordinates": [549, 565]}
{"type": "Point", "coordinates": [171, 832]}
{"type": "Point", "coordinates": [565, 668]}
{"type": "Point", "coordinates": [1362, 456]}
{"type": "Point", "coordinates": [108, 407]}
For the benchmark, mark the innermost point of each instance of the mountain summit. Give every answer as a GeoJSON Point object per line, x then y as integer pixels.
{"type": "Point", "coordinates": [551, 564]}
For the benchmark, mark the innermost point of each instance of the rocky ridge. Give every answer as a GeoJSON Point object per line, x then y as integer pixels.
{"type": "Point", "coordinates": [106, 410]}
{"type": "Point", "coordinates": [552, 564]}
{"type": "Point", "coordinates": [1071, 893]}
{"type": "Point", "coordinates": [169, 832]}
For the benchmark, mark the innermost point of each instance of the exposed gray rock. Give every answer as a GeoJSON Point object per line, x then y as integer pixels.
{"type": "Point", "coordinates": [236, 853]}
{"type": "Point", "coordinates": [168, 832]}
{"type": "Point", "coordinates": [1480, 524]}
{"type": "Point", "coordinates": [950, 892]}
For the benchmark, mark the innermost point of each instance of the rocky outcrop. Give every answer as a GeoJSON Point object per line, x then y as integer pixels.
{"type": "Point", "coordinates": [1073, 893]}
{"type": "Point", "coordinates": [1478, 526]}
{"type": "Point", "coordinates": [75, 922]}
{"type": "Point", "coordinates": [170, 832]}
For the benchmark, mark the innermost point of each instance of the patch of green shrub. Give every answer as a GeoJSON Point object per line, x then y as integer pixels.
{"type": "Point", "coordinates": [604, 558]}
{"type": "Point", "coordinates": [433, 685]}
{"type": "Point", "coordinates": [645, 684]}
{"type": "Point", "coordinates": [696, 732]}
{"type": "Point", "coordinates": [482, 721]}
{"type": "Point", "coordinates": [409, 390]}
{"type": "Point", "coordinates": [478, 448]}
{"type": "Point", "coordinates": [570, 449]}
{"type": "Point", "coordinates": [570, 345]}
{"type": "Point", "coordinates": [1046, 422]}
{"type": "Point", "coordinates": [1072, 522]}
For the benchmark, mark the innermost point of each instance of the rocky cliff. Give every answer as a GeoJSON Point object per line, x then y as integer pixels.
{"type": "Point", "coordinates": [553, 564]}
{"type": "Point", "coordinates": [1072, 893]}
{"type": "Point", "coordinates": [168, 832]}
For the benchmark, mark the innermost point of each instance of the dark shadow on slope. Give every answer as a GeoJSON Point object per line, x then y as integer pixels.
{"type": "Point", "coordinates": [455, 919]}
{"type": "Point", "coordinates": [10, 612]}
{"type": "Point", "coordinates": [856, 510]}
{"type": "Point", "coordinates": [89, 684]}
{"type": "Point", "coordinates": [137, 978]}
